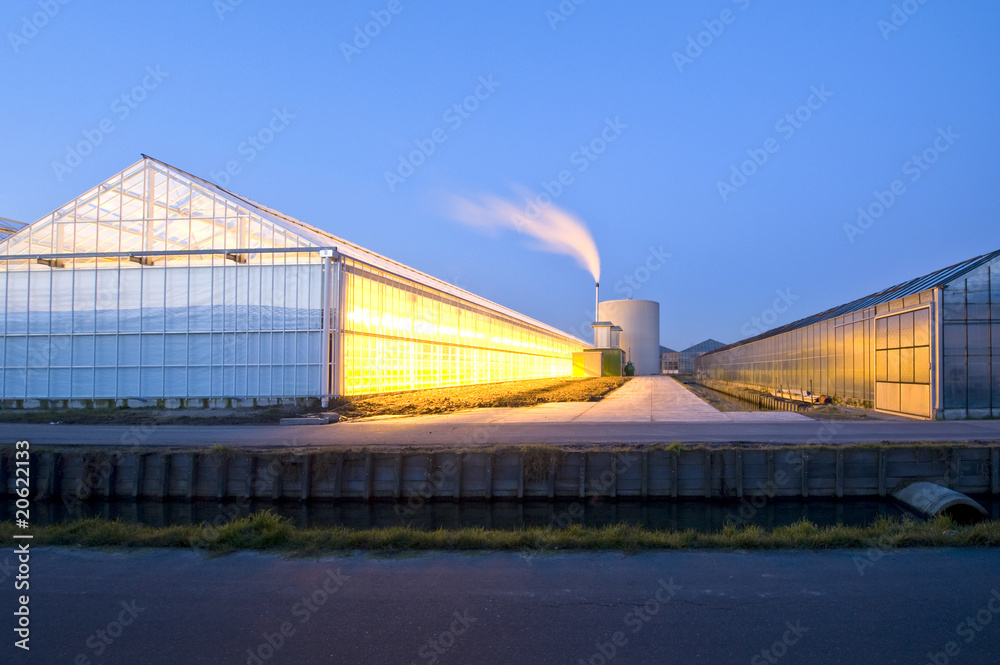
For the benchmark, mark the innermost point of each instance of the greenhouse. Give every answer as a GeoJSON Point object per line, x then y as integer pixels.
{"type": "Point", "coordinates": [158, 284]}
{"type": "Point", "coordinates": [927, 348]}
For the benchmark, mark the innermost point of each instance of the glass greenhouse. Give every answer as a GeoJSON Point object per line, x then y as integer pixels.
{"type": "Point", "coordinates": [927, 348]}
{"type": "Point", "coordinates": [158, 284]}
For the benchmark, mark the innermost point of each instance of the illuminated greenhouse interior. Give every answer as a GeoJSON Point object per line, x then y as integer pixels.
{"type": "Point", "coordinates": [159, 284]}
{"type": "Point", "coordinates": [925, 348]}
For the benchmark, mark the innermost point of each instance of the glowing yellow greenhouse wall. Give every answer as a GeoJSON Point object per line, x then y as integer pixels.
{"type": "Point", "coordinates": [400, 335]}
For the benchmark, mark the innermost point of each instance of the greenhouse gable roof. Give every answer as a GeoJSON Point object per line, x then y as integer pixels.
{"type": "Point", "coordinates": [154, 207]}
{"type": "Point", "coordinates": [933, 280]}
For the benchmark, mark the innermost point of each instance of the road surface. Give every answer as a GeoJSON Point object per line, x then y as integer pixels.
{"type": "Point", "coordinates": [442, 431]}
{"type": "Point", "coordinates": [851, 607]}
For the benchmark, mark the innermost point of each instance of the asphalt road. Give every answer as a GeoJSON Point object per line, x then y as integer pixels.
{"type": "Point", "coordinates": [848, 607]}
{"type": "Point", "coordinates": [444, 431]}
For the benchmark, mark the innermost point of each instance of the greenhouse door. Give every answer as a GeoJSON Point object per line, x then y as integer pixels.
{"type": "Point", "coordinates": [903, 363]}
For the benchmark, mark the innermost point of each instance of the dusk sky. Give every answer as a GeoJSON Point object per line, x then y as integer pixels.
{"type": "Point", "coordinates": [636, 118]}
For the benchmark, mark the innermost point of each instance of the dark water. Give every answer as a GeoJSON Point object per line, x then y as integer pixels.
{"type": "Point", "coordinates": [734, 402]}
{"type": "Point", "coordinates": [667, 515]}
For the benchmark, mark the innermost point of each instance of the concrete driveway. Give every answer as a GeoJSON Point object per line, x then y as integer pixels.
{"type": "Point", "coordinates": [644, 399]}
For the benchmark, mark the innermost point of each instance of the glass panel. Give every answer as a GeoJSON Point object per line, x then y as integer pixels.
{"type": "Point", "coordinates": [128, 382]}
{"type": "Point", "coordinates": [175, 381]}
{"type": "Point", "coordinates": [38, 351]}
{"type": "Point", "coordinates": [954, 339]}
{"type": "Point", "coordinates": [954, 383]}
{"type": "Point", "coordinates": [906, 329]}
{"type": "Point", "coordinates": [906, 365]}
{"type": "Point", "coordinates": [978, 339]}
{"type": "Point", "coordinates": [978, 311]}
{"type": "Point", "coordinates": [881, 334]}
{"type": "Point", "coordinates": [979, 382]}
{"type": "Point", "coordinates": [881, 365]}
{"type": "Point", "coordinates": [128, 350]}
{"type": "Point", "coordinates": [893, 372]}
{"type": "Point", "coordinates": [893, 335]}
{"type": "Point", "coordinates": [151, 382]}
{"type": "Point", "coordinates": [922, 364]}
{"type": "Point", "coordinates": [953, 302]}
{"type": "Point", "coordinates": [82, 381]}
{"type": "Point", "coordinates": [107, 350]}
{"type": "Point", "coordinates": [105, 382]}
{"type": "Point", "coordinates": [921, 327]}
{"type": "Point", "coordinates": [152, 350]}
{"type": "Point", "coordinates": [977, 286]}
{"type": "Point", "coordinates": [83, 351]}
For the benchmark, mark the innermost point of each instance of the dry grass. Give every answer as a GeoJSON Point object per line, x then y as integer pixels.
{"type": "Point", "coordinates": [265, 531]}
{"type": "Point", "coordinates": [461, 398]}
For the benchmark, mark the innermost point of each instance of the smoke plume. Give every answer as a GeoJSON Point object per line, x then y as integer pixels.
{"type": "Point", "coordinates": [553, 229]}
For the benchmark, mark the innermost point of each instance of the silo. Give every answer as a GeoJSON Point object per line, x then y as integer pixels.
{"type": "Point", "coordinates": [640, 337]}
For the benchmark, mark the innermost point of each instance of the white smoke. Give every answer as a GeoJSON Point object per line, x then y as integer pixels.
{"type": "Point", "coordinates": [553, 229]}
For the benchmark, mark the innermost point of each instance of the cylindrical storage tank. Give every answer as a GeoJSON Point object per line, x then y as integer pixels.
{"type": "Point", "coordinates": [640, 324]}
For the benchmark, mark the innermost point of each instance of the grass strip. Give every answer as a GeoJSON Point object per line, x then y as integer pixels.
{"type": "Point", "coordinates": [267, 532]}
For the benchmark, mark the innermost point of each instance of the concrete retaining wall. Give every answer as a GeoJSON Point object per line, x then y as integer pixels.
{"type": "Point", "coordinates": [716, 473]}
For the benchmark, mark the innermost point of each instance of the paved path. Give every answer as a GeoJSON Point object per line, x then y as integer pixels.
{"type": "Point", "coordinates": [444, 432]}
{"type": "Point", "coordinates": [644, 399]}
{"type": "Point", "coordinates": [671, 607]}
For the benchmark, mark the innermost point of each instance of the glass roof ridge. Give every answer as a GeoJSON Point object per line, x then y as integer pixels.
{"type": "Point", "coordinates": [351, 250]}
{"type": "Point", "coordinates": [931, 280]}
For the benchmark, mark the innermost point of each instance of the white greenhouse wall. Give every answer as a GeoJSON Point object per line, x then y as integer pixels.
{"type": "Point", "coordinates": [157, 332]}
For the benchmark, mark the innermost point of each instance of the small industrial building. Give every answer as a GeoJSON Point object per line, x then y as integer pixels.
{"type": "Point", "coordinates": [926, 348]}
{"type": "Point", "coordinates": [687, 357]}
{"type": "Point", "coordinates": [669, 360]}
{"type": "Point", "coordinates": [158, 284]}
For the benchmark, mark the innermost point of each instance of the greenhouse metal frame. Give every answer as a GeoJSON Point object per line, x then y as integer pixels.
{"type": "Point", "coordinates": [926, 348]}
{"type": "Point", "coordinates": [157, 284]}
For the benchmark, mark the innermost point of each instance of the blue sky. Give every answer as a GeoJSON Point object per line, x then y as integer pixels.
{"type": "Point", "coordinates": [693, 91]}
